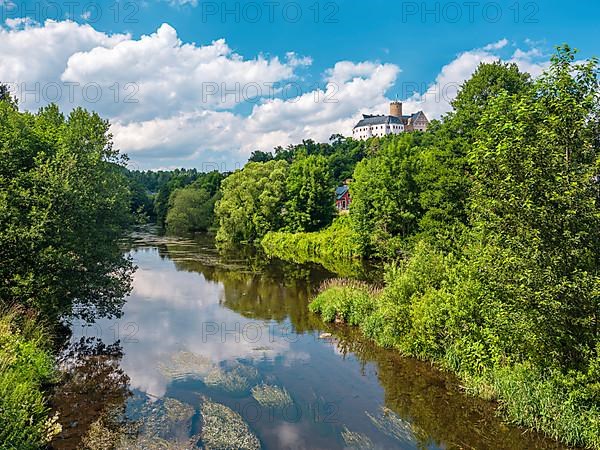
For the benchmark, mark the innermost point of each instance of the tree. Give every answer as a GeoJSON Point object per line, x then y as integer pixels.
{"type": "Point", "coordinates": [191, 209]}
{"type": "Point", "coordinates": [534, 200]}
{"type": "Point", "coordinates": [6, 96]}
{"type": "Point", "coordinates": [64, 202]}
{"type": "Point", "coordinates": [171, 181]}
{"type": "Point", "coordinates": [252, 202]}
{"type": "Point", "coordinates": [489, 80]}
{"type": "Point", "coordinates": [260, 156]}
{"type": "Point", "coordinates": [310, 195]}
{"type": "Point", "coordinates": [385, 200]}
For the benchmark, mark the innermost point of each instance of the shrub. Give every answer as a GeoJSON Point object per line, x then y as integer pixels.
{"type": "Point", "coordinates": [25, 366]}
{"type": "Point", "coordinates": [335, 247]}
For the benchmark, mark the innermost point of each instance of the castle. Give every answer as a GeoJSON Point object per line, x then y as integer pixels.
{"type": "Point", "coordinates": [395, 123]}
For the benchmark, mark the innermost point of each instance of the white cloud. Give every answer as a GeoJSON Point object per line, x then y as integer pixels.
{"type": "Point", "coordinates": [496, 45]}
{"type": "Point", "coordinates": [186, 96]}
{"type": "Point", "coordinates": [171, 76]}
{"type": "Point", "coordinates": [298, 61]}
{"type": "Point", "coordinates": [351, 89]}
{"type": "Point", "coordinates": [192, 3]}
{"type": "Point", "coordinates": [435, 101]}
{"type": "Point", "coordinates": [33, 54]}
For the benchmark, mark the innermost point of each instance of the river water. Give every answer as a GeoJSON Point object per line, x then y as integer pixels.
{"type": "Point", "coordinates": [205, 335]}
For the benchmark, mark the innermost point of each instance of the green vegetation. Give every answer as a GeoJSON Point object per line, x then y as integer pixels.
{"type": "Point", "coordinates": [509, 299]}
{"type": "Point", "coordinates": [26, 365]}
{"type": "Point", "coordinates": [191, 209]}
{"type": "Point", "coordinates": [336, 247]}
{"type": "Point", "coordinates": [252, 202]}
{"type": "Point", "coordinates": [64, 203]}
{"type": "Point", "coordinates": [291, 190]}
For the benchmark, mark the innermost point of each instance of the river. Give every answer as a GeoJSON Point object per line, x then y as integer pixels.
{"type": "Point", "coordinates": [201, 330]}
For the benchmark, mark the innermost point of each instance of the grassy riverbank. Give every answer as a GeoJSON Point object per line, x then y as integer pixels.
{"type": "Point", "coordinates": [26, 366]}
{"type": "Point", "coordinates": [443, 308]}
{"type": "Point", "coordinates": [334, 247]}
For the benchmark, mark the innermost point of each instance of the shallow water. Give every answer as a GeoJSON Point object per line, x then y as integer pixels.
{"type": "Point", "coordinates": [201, 330]}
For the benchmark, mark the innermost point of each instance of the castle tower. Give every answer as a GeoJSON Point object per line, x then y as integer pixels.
{"type": "Point", "coordinates": [396, 109]}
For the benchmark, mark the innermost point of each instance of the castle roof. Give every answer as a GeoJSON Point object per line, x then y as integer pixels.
{"type": "Point", "coordinates": [369, 120]}
{"type": "Point", "coordinates": [409, 119]}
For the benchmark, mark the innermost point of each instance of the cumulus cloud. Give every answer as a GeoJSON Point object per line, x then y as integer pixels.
{"type": "Point", "coordinates": [350, 90]}
{"type": "Point", "coordinates": [174, 103]}
{"type": "Point", "coordinates": [40, 53]}
{"type": "Point", "coordinates": [436, 99]}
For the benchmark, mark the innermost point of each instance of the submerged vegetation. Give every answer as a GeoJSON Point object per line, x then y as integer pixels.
{"type": "Point", "coordinates": [271, 396]}
{"type": "Point", "coordinates": [224, 428]}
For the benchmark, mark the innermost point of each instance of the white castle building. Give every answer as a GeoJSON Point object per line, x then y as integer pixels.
{"type": "Point", "coordinates": [396, 123]}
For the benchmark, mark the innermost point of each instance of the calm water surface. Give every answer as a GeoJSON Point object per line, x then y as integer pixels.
{"type": "Point", "coordinates": [202, 327]}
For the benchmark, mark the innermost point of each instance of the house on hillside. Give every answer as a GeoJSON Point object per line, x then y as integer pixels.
{"type": "Point", "coordinates": [342, 198]}
{"type": "Point", "coordinates": [395, 123]}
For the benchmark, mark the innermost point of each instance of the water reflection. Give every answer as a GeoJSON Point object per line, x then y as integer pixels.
{"type": "Point", "coordinates": [228, 340]}
{"type": "Point", "coordinates": [93, 384]}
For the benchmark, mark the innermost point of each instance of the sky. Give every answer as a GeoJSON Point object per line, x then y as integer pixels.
{"type": "Point", "coordinates": [192, 83]}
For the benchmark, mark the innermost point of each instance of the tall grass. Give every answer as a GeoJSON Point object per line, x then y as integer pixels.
{"type": "Point", "coordinates": [26, 365]}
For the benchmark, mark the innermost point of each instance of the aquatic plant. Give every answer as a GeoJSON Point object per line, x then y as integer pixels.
{"type": "Point", "coordinates": [235, 380]}
{"type": "Point", "coordinates": [271, 396]}
{"type": "Point", "coordinates": [164, 424]}
{"type": "Point", "coordinates": [223, 428]}
{"type": "Point", "coordinates": [391, 424]}
{"type": "Point", "coordinates": [166, 417]}
{"type": "Point", "coordinates": [184, 365]}
{"type": "Point", "coordinates": [356, 441]}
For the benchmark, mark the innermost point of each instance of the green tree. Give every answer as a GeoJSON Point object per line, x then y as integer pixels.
{"type": "Point", "coordinates": [260, 156]}
{"type": "Point", "coordinates": [534, 198]}
{"type": "Point", "coordinates": [168, 182]}
{"type": "Point", "coordinates": [64, 202]}
{"type": "Point", "coordinates": [190, 210]}
{"type": "Point", "coordinates": [310, 195]}
{"type": "Point", "coordinates": [385, 199]}
{"type": "Point", "coordinates": [489, 80]}
{"type": "Point", "coordinates": [252, 202]}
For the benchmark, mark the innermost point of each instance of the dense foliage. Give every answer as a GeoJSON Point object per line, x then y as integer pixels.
{"type": "Point", "coordinates": [275, 195]}
{"type": "Point", "coordinates": [336, 247]}
{"type": "Point", "coordinates": [63, 204]}
{"type": "Point", "coordinates": [252, 202]}
{"type": "Point", "coordinates": [26, 364]}
{"type": "Point", "coordinates": [309, 194]}
{"type": "Point", "coordinates": [510, 301]}
{"type": "Point", "coordinates": [191, 209]}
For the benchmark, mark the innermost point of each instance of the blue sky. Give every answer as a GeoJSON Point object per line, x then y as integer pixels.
{"type": "Point", "coordinates": [166, 54]}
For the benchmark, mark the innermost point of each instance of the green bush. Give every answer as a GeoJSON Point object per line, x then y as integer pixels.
{"type": "Point", "coordinates": [347, 302]}
{"type": "Point", "coordinates": [335, 247]}
{"type": "Point", "coordinates": [25, 366]}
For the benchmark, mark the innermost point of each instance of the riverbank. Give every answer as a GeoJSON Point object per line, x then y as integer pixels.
{"type": "Point", "coordinates": [26, 367]}
{"type": "Point", "coordinates": [334, 247]}
{"type": "Point", "coordinates": [438, 308]}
